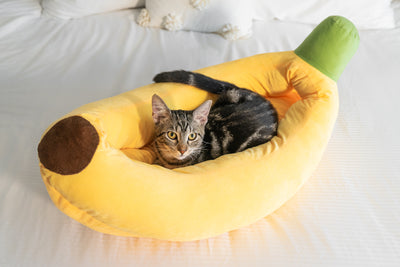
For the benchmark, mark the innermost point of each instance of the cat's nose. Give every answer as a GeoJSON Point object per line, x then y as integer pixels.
{"type": "Point", "coordinates": [182, 149]}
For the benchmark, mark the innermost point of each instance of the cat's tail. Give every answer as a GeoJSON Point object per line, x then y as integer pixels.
{"type": "Point", "coordinates": [194, 79]}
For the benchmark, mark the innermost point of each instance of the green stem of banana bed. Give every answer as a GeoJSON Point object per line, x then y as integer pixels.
{"type": "Point", "coordinates": [330, 46]}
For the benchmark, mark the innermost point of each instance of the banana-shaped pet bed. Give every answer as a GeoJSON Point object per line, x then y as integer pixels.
{"type": "Point", "coordinates": [97, 169]}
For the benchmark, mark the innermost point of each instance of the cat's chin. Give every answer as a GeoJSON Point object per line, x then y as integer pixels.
{"type": "Point", "coordinates": [182, 157]}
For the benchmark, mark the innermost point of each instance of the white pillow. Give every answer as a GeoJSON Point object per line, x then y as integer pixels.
{"type": "Point", "coordinates": [365, 14]}
{"type": "Point", "coordinates": [231, 19]}
{"type": "Point", "coordinates": [67, 9]}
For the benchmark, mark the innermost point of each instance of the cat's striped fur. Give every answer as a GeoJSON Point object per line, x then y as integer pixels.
{"type": "Point", "coordinates": [238, 120]}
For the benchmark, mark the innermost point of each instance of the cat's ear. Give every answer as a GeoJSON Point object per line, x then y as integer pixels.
{"type": "Point", "coordinates": [160, 109]}
{"type": "Point", "coordinates": [200, 114]}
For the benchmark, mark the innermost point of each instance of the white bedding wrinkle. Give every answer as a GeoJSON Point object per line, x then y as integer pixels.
{"type": "Point", "coordinates": [67, 9]}
{"type": "Point", "coordinates": [365, 14]}
{"type": "Point", "coordinates": [22, 11]}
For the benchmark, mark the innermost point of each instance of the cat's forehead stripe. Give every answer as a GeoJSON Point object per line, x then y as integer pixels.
{"type": "Point", "coordinates": [182, 119]}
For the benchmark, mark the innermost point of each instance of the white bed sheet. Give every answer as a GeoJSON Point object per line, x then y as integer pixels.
{"type": "Point", "coordinates": [347, 214]}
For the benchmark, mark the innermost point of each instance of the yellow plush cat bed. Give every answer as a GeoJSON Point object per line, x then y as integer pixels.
{"type": "Point", "coordinates": [97, 170]}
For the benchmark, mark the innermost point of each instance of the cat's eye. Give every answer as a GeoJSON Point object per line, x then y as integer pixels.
{"type": "Point", "coordinates": [192, 136]}
{"type": "Point", "coordinates": [171, 135]}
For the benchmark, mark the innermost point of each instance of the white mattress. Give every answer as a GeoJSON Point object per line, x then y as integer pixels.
{"type": "Point", "coordinates": [347, 214]}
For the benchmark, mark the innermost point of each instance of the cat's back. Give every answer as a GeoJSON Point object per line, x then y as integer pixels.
{"type": "Point", "coordinates": [238, 120]}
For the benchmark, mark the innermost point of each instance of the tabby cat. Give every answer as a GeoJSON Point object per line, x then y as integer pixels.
{"type": "Point", "coordinates": [238, 120]}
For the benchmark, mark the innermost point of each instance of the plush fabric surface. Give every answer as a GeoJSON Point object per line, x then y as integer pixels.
{"type": "Point", "coordinates": [231, 19]}
{"type": "Point", "coordinates": [120, 192]}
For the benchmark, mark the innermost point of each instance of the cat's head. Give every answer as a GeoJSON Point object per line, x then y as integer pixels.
{"type": "Point", "coordinates": [179, 133]}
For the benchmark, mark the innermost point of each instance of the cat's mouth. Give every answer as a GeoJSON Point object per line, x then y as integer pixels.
{"type": "Point", "coordinates": [182, 156]}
